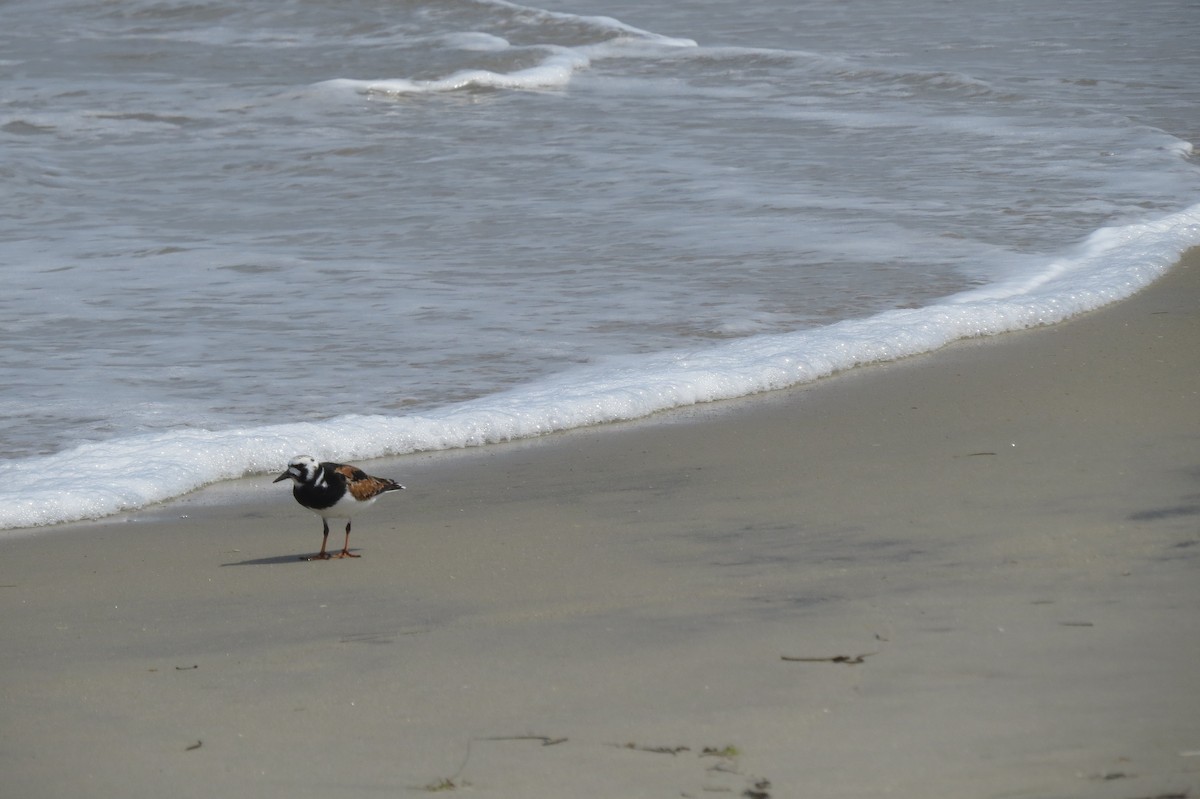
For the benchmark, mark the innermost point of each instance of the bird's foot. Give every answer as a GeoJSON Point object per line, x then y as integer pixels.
{"type": "Point", "coordinates": [345, 553]}
{"type": "Point", "coordinates": [318, 556]}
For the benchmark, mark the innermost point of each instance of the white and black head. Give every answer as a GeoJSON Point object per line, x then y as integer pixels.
{"type": "Point", "coordinates": [303, 469]}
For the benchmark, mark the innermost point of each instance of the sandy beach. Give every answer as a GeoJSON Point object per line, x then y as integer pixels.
{"type": "Point", "coordinates": [970, 574]}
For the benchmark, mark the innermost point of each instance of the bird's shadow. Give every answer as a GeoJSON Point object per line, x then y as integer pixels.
{"type": "Point", "coordinates": [271, 561]}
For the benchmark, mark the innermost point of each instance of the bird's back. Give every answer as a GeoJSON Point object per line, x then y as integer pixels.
{"type": "Point", "coordinates": [362, 486]}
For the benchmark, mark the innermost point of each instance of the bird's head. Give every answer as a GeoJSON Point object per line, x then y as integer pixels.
{"type": "Point", "coordinates": [302, 469]}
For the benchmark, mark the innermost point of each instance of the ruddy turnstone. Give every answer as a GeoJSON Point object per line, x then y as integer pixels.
{"type": "Point", "coordinates": [333, 491]}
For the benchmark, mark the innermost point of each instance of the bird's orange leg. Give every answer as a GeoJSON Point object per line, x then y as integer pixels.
{"type": "Point", "coordinates": [346, 553]}
{"type": "Point", "coordinates": [322, 555]}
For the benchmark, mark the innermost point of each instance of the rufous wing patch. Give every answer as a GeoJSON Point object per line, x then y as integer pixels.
{"type": "Point", "coordinates": [362, 485]}
{"type": "Point", "coordinates": [351, 473]}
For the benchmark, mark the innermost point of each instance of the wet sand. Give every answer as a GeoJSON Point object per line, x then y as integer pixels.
{"type": "Point", "coordinates": [973, 573]}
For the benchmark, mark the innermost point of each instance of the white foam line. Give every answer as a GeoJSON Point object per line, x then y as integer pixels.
{"type": "Point", "coordinates": [99, 479]}
{"type": "Point", "coordinates": [554, 72]}
{"type": "Point", "coordinates": [598, 21]}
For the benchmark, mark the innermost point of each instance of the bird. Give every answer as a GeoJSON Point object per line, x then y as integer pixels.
{"type": "Point", "coordinates": [333, 491]}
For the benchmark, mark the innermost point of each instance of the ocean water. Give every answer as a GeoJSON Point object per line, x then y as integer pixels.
{"type": "Point", "coordinates": [237, 231]}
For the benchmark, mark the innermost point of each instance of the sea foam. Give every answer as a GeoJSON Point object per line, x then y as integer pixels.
{"type": "Point", "coordinates": [555, 67]}
{"type": "Point", "coordinates": [553, 71]}
{"type": "Point", "coordinates": [98, 479]}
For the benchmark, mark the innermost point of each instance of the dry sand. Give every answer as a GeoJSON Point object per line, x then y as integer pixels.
{"type": "Point", "coordinates": [1008, 530]}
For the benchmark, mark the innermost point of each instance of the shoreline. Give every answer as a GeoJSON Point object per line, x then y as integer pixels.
{"type": "Point", "coordinates": [1003, 530]}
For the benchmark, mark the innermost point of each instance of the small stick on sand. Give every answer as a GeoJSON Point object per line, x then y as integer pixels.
{"type": "Point", "coordinates": [850, 660]}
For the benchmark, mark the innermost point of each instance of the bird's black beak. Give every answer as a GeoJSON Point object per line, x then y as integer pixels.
{"type": "Point", "coordinates": [283, 476]}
